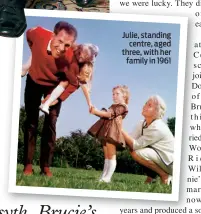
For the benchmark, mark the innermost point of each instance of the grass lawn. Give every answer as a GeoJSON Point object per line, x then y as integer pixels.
{"type": "Point", "coordinates": [88, 179]}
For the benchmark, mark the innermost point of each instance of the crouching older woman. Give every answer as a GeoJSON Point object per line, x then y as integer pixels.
{"type": "Point", "coordinates": [152, 143]}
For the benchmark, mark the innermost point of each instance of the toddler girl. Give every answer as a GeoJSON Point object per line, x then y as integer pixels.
{"type": "Point", "coordinates": [108, 131]}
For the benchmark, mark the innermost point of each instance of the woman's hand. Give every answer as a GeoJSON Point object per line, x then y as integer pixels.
{"type": "Point", "coordinates": [47, 97]}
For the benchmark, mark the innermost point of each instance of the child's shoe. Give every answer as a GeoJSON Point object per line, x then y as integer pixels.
{"type": "Point", "coordinates": [104, 180]}
{"type": "Point", "coordinates": [44, 108]}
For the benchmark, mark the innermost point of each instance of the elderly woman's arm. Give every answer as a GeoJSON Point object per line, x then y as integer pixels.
{"type": "Point", "coordinates": [136, 140]}
{"type": "Point", "coordinates": [129, 140]}
{"type": "Point", "coordinates": [153, 135]}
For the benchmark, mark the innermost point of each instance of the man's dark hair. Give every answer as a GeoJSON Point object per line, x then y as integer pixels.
{"type": "Point", "coordinates": [70, 29]}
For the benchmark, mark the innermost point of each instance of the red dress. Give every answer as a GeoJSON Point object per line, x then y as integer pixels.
{"type": "Point", "coordinates": [108, 129]}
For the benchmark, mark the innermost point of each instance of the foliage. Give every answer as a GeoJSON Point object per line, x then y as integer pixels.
{"type": "Point", "coordinates": [126, 164]}
{"type": "Point", "coordinates": [171, 124]}
{"type": "Point", "coordinates": [79, 150]}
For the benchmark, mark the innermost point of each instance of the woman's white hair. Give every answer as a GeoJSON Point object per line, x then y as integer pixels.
{"type": "Point", "coordinates": [160, 105]}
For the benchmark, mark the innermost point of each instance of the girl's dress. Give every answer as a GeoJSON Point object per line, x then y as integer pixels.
{"type": "Point", "coordinates": [107, 129]}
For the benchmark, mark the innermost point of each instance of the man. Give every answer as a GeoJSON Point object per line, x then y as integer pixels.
{"type": "Point", "coordinates": [51, 54]}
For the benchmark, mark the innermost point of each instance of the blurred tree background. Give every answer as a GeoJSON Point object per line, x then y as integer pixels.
{"type": "Point", "coordinates": [171, 124]}
{"type": "Point", "coordinates": [79, 150]}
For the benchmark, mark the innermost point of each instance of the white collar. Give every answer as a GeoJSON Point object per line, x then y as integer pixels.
{"type": "Point", "coordinates": [48, 46]}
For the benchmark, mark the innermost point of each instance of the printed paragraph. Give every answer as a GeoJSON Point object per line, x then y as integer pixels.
{"type": "Point", "coordinates": [194, 157]}
{"type": "Point", "coordinates": [161, 210]}
{"type": "Point", "coordinates": [160, 3]}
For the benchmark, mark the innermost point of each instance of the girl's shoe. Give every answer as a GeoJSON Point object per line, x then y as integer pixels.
{"type": "Point", "coordinates": [104, 180]}
{"type": "Point", "coordinates": [44, 108]}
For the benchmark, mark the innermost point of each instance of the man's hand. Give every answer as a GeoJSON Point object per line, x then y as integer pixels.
{"type": "Point", "coordinates": [90, 107]}
{"type": "Point", "coordinates": [93, 110]}
{"type": "Point", "coordinates": [46, 98]}
{"type": "Point", "coordinates": [24, 72]}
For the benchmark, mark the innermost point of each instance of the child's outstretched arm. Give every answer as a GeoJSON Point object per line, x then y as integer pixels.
{"type": "Point", "coordinates": [100, 113]}
{"type": "Point", "coordinates": [86, 93]}
{"type": "Point", "coordinates": [26, 66]}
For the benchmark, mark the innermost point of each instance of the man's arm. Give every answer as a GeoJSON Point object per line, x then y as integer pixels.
{"type": "Point", "coordinates": [30, 34]}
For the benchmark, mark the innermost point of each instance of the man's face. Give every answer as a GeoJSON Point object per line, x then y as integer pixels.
{"type": "Point", "coordinates": [60, 43]}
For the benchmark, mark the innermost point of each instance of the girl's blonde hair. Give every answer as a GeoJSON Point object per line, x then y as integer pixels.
{"type": "Point", "coordinates": [87, 69]}
{"type": "Point", "coordinates": [86, 74]}
{"type": "Point", "coordinates": [91, 49]}
{"type": "Point", "coordinates": [125, 90]}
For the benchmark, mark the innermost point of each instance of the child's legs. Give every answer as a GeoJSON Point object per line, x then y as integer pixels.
{"type": "Point", "coordinates": [64, 83]}
{"type": "Point", "coordinates": [105, 150]}
{"type": "Point", "coordinates": [56, 93]}
{"type": "Point", "coordinates": [111, 154]}
{"type": "Point", "coordinates": [70, 89]}
{"type": "Point", "coordinates": [111, 151]}
{"type": "Point", "coordinates": [105, 167]}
